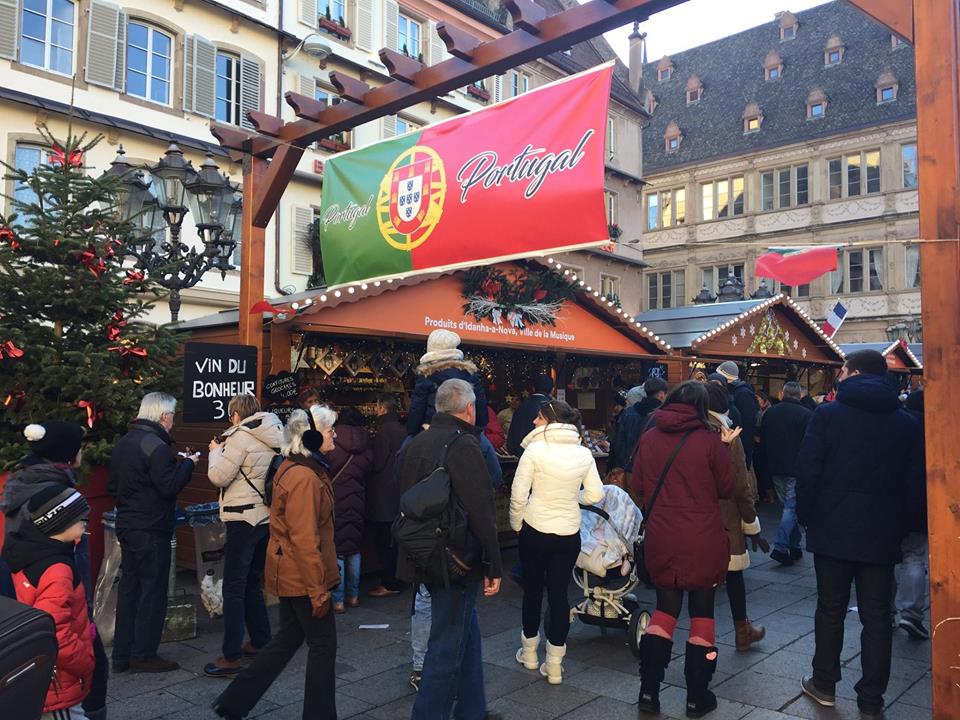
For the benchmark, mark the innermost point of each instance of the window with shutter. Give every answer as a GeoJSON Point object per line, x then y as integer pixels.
{"type": "Point", "coordinates": [228, 88]}
{"type": "Point", "coordinates": [9, 28]}
{"type": "Point", "coordinates": [364, 36]}
{"type": "Point", "coordinates": [391, 24]}
{"type": "Point", "coordinates": [308, 12]}
{"type": "Point", "coordinates": [302, 255]}
{"type": "Point", "coordinates": [250, 75]}
{"type": "Point", "coordinates": [103, 33]}
{"type": "Point", "coordinates": [47, 35]}
{"type": "Point", "coordinates": [204, 77]}
{"type": "Point", "coordinates": [438, 49]}
{"type": "Point", "coordinates": [307, 86]}
{"type": "Point", "coordinates": [497, 88]}
{"type": "Point", "coordinates": [188, 72]}
{"type": "Point", "coordinates": [149, 62]}
{"type": "Point", "coordinates": [388, 126]}
{"type": "Point", "coordinates": [119, 78]}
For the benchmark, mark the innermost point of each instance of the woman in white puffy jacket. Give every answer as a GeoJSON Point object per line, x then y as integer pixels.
{"type": "Point", "coordinates": [545, 511]}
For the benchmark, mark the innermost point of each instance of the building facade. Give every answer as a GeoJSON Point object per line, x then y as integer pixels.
{"type": "Point", "coordinates": [798, 132]}
{"type": "Point", "coordinates": [145, 74]}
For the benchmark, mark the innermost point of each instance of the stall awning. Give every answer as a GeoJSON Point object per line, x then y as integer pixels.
{"type": "Point", "coordinates": [414, 307]}
{"type": "Point", "coordinates": [900, 354]}
{"type": "Point", "coordinates": [774, 328]}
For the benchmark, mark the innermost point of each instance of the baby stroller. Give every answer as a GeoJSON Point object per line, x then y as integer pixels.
{"type": "Point", "coordinates": [605, 569]}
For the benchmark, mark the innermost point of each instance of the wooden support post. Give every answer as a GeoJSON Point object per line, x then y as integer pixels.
{"type": "Point", "coordinates": [936, 25]}
{"type": "Point", "coordinates": [252, 262]}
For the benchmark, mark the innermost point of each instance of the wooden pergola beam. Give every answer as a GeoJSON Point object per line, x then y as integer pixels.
{"type": "Point", "coordinates": [895, 14]}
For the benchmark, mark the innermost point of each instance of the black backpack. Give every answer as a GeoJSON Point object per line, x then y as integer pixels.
{"type": "Point", "coordinates": [431, 529]}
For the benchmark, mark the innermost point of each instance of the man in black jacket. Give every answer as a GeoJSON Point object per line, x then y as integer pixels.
{"type": "Point", "coordinates": [858, 483]}
{"type": "Point", "coordinates": [633, 421]}
{"type": "Point", "coordinates": [744, 398]}
{"type": "Point", "coordinates": [522, 423]}
{"type": "Point", "coordinates": [453, 667]}
{"type": "Point", "coordinates": [781, 433]}
{"type": "Point", "coordinates": [381, 493]}
{"type": "Point", "coordinates": [145, 479]}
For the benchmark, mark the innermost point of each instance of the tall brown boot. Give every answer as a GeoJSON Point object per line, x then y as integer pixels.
{"type": "Point", "coordinates": [748, 634]}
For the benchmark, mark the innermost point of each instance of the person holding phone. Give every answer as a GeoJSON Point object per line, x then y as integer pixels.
{"type": "Point", "coordinates": [145, 478]}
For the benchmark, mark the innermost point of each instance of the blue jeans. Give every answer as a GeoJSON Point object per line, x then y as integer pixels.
{"type": "Point", "coordinates": [453, 668]}
{"type": "Point", "coordinates": [912, 584]}
{"type": "Point", "coordinates": [141, 595]}
{"type": "Point", "coordinates": [420, 623]}
{"type": "Point", "coordinates": [244, 555]}
{"type": "Point", "coordinates": [349, 578]}
{"type": "Point", "coordinates": [788, 535]}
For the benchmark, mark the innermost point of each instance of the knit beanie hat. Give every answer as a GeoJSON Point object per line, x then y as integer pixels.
{"type": "Point", "coordinates": [717, 377]}
{"type": "Point", "coordinates": [442, 345]}
{"type": "Point", "coordinates": [543, 384]}
{"type": "Point", "coordinates": [729, 370]}
{"type": "Point", "coordinates": [56, 508]}
{"type": "Point", "coordinates": [55, 440]}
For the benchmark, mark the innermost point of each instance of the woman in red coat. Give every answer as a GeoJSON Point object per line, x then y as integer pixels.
{"type": "Point", "coordinates": [686, 545]}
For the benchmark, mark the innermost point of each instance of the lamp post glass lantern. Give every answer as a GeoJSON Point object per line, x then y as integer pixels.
{"type": "Point", "coordinates": [177, 190]}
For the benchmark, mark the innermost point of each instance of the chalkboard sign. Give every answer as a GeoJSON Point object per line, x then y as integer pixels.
{"type": "Point", "coordinates": [280, 387]}
{"type": "Point", "coordinates": [212, 375]}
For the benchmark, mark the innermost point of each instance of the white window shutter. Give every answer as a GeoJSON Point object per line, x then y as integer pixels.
{"type": "Point", "coordinates": [365, 25]}
{"type": "Point", "coordinates": [204, 77]}
{"type": "Point", "coordinates": [302, 255]}
{"type": "Point", "coordinates": [388, 126]}
{"type": "Point", "coordinates": [188, 73]}
{"type": "Point", "coordinates": [307, 86]}
{"type": "Point", "coordinates": [438, 49]}
{"type": "Point", "coordinates": [391, 26]}
{"type": "Point", "coordinates": [9, 28]}
{"type": "Point", "coordinates": [102, 44]}
{"type": "Point", "coordinates": [308, 12]}
{"type": "Point", "coordinates": [120, 79]}
{"type": "Point", "coordinates": [250, 75]}
{"type": "Point", "coordinates": [497, 88]}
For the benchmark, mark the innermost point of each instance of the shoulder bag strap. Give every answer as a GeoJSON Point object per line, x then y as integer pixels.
{"type": "Point", "coordinates": [446, 448]}
{"type": "Point", "coordinates": [663, 476]}
{"type": "Point", "coordinates": [340, 471]}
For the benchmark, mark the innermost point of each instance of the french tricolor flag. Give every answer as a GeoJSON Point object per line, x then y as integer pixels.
{"type": "Point", "coordinates": [834, 320]}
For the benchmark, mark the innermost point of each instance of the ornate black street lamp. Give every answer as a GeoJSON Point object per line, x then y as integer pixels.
{"type": "Point", "coordinates": [178, 189]}
{"type": "Point", "coordinates": [704, 297]}
{"type": "Point", "coordinates": [731, 290]}
{"type": "Point", "coordinates": [762, 292]}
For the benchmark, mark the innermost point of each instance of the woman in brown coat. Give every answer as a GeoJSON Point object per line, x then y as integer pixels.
{"type": "Point", "coordinates": [741, 522]}
{"type": "Point", "coordinates": [301, 569]}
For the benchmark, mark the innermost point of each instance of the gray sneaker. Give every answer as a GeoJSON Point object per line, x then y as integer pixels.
{"type": "Point", "coordinates": [415, 680]}
{"type": "Point", "coordinates": [816, 694]}
{"type": "Point", "coordinates": [915, 628]}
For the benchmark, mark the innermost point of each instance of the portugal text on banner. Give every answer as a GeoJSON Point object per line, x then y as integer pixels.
{"type": "Point", "coordinates": [524, 177]}
{"type": "Point", "coordinates": [799, 265]}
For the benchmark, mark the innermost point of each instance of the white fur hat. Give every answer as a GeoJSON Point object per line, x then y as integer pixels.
{"type": "Point", "coordinates": [442, 345]}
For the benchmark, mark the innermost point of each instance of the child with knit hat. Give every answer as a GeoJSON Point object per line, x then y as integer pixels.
{"type": "Point", "coordinates": [442, 361]}
{"type": "Point", "coordinates": [41, 555]}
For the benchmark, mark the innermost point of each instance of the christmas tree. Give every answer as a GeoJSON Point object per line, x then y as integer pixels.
{"type": "Point", "coordinates": [73, 342]}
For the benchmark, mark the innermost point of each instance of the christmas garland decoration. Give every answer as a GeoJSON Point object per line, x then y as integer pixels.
{"type": "Point", "coordinates": [517, 298]}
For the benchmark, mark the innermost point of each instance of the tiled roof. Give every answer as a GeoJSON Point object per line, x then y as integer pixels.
{"type": "Point", "coordinates": [914, 350]}
{"type": "Point", "coordinates": [732, 73]}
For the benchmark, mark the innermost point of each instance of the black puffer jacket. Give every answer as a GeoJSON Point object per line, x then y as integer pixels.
{"type": "Point", "coordinates": [781, 433]}
{"type": "Point", "coordinates": [744, 398]}
{"type": "Point", "coordinates": [349, 486]}
{"type": "Point", "coordinates": [633, 421]}
{"type": "Point", "coordinates": [432, 376]}
{"type": "Point", "coordinates": [145, 478]}
{"type": "Point", "coordinates": [859, 474]}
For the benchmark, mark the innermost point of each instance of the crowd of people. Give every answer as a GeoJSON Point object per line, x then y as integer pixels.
{"type": "Point", "coordinates": [297, 498]}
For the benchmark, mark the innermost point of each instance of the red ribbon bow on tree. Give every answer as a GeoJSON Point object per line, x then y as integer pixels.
{"type": "Point", "coordinates": [92, 262]}
{"type": "Point", "coordinates": [8, 236]}
{"type": "Point", "coordinates": [117, 323]}
{"type": "Point", "coordinates": [10, 350]}
{"type": "Point", "coordinates": [129, 348]}
{"type": "Point", "coordinates": [58, 156]}
{"type": "Point", "coordinates": [134, 278]}
{"type": "Point", "coordinates": [16, 398]}
{"type": "Point", "coordinates": [93, 414]}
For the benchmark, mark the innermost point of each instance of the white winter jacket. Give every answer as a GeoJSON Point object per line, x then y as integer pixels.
{"type": "Point", "coordinates": [546, 490]}
{"type": "Point", "coordinates": [249, 447]}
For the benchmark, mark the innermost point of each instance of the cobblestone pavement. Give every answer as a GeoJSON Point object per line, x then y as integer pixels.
{"type": "Point", "coordinates": [600, 674]}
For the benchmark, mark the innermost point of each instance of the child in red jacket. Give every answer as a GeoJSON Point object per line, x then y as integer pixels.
{"type": "Point", "coordinates": [41, 557]}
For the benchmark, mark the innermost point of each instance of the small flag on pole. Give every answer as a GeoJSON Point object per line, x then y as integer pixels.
{"type": "Point", "coordinates": [834, 320]}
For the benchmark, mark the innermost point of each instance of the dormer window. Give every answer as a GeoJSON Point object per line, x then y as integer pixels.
{"type": "Point", "coordinates": [816, 104]}
{"type": "Point", "coordinates": [787, 22]}
{"type": "Point", "coordinates": [672, 137]}
{"type": "Point", "coordinates": [887, 87]}
{"type": "Point", "coordinates": [833, 52]}
{"type": "Point", "coordinates": [649, 101]}
{"type": "Point", "coordinates": [752, 118]}
{"type": "Point", "coordinates": [694, 90]}
{"type": "Point", "coordinates": [664, 69]}
{"type": "Point", "coordinates": [772, 66]}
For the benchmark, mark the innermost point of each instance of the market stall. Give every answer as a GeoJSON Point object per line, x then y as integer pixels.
{"type": "Point", "coordinates": [904, 360]}
{"type": "Point", "coordinates": [775, 339]}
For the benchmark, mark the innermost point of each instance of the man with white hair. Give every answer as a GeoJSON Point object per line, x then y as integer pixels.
{"type": "Point", "coordinates": [453, 667]}
{"type": "Point", "coordinates": [145, 478]}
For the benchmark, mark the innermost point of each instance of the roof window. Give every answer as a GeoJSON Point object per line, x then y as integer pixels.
{"type": "Point", "coordinates": [752, 118]}
{"type": "Point", "coordinates": [664, 69]}
{"type": "Point", "coordinates": [833, 52]}
{"type": "Point", "coordinates": [887, 87]}
{"type": "Point", "coordinates": [772, 66]}
{"type": "Point", "coordinates": [816, 104]}
{"type": "Point", "coordinates": [672, 137]}
{"type": "Point", "coordinates": [694, 90]}
{"type": "Point", "coordinates": [787, 22]}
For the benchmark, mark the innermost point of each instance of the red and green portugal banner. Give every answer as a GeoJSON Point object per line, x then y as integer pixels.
{"type": "Point", "coordinates": [522, 178]}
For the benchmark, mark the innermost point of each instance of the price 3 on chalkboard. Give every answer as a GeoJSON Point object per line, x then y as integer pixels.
{"type": "Point", "coordinates": [212, 375]}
